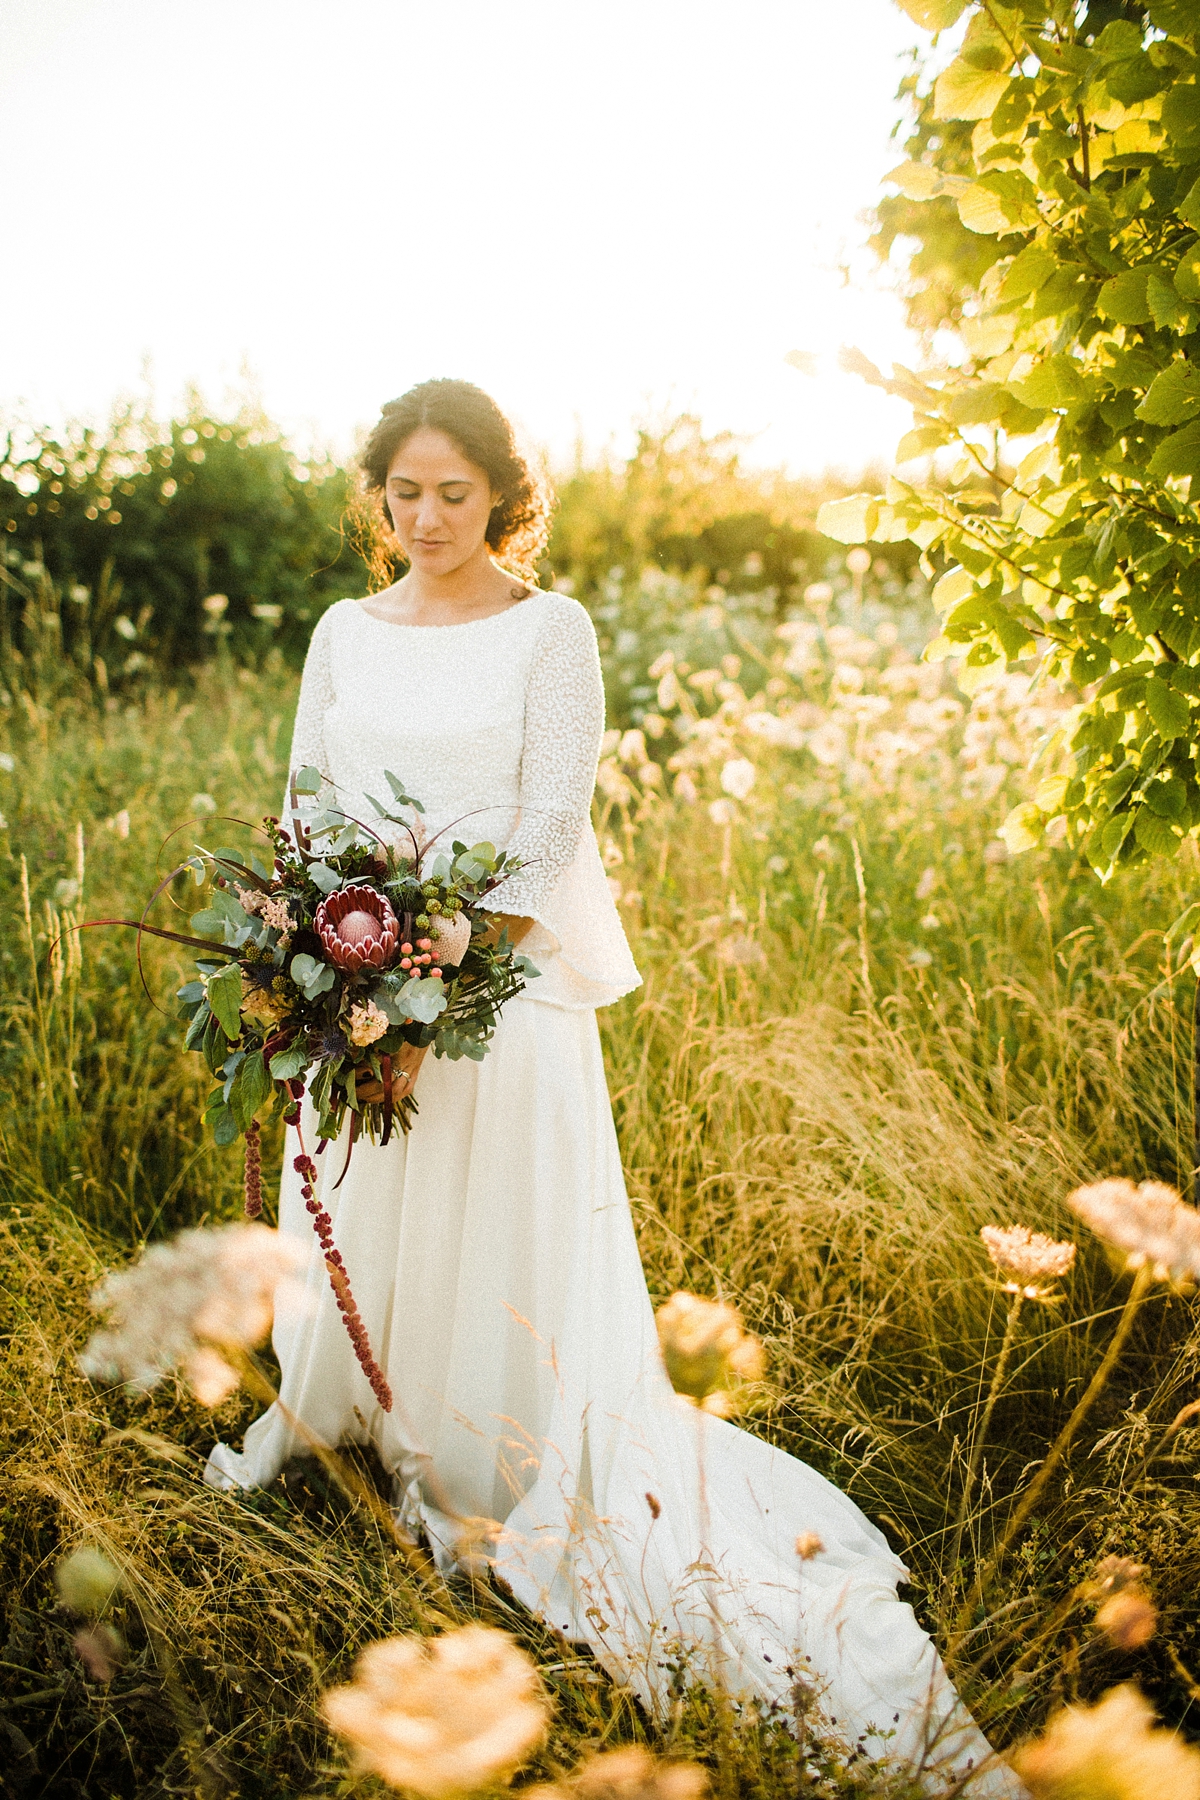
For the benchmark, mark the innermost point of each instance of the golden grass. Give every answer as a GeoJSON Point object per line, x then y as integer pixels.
{"type": "Point", "coordinates": [817, 1136]}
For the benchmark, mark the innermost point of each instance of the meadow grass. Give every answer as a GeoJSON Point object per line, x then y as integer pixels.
{"type": "Point", "coordinates": [814, 1125]}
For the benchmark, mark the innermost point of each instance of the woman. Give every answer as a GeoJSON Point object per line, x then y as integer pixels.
{"type": "Point", "coordinates": [492, 1252]}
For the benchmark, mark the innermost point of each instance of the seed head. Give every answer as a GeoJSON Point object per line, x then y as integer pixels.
{"type": "Point", "coordinates": [441, 1715]}
{"type": "Point", "coordinates": [1110, 1751]}
{"type": "Point", "coordinates": [1149, 1222]}
{"type": "Point", "coordinates": [707, 1352]}
{"type": "Point", "coordinates": [182, 1302]}
{"type": "Point", "coordinates": [808, 1545]}
{"type": "Point", "coordinates": [87, 1582]}
{"type": "Point", "coordinates": [1025, 1260]}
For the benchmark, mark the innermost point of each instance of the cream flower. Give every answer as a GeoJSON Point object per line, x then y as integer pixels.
{"type": "Point", "coordinates": [1110, 1751]}
{"type": "Point", "coordinates": [441, 1715]}
{"type": "Point", "coordinates": [1150, 1222]}
{"type": "Point", "coordinates": [367, 1023]}
{"type": "Point", "coordinates": [1026, 1259]}
{"type": "Point", "coordinates": [631, 1774]}
{"type": "Point", "coordinates": [706, 1350]}
{"type": "Point", "coordinates": [183, 1302]}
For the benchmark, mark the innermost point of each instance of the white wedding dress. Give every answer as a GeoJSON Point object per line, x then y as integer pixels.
{"type": "Point", "coordinates": [493, 1256]}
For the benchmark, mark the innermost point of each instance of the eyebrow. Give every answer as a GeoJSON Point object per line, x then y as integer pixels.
{"type": "Point", "coordinates": [455, 481]}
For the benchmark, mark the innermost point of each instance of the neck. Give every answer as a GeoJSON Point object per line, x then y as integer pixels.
{"type": "Point", "coordinates": [476, 582]}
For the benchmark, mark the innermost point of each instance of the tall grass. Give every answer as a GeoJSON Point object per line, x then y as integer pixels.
{"type": "Point", "coordinates": [815, 1122]}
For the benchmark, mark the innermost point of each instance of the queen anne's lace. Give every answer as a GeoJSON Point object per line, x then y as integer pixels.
{"type": "Point", "coordinates": [495, 725]}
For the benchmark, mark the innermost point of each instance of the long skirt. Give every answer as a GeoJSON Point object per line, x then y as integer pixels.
{"type": "Point", "coordinates": [493, 1259]}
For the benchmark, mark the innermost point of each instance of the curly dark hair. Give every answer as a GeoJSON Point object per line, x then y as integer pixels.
{"type": "Point", "coordinates": [520, 520]}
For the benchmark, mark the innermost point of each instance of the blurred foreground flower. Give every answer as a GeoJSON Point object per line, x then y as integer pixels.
{"type": "Point", "coordinates": [631, 1774]}
{"type": "Point", "coordinates": [1025, 1260]}
{"type": "Point", "coordinates": [707, 1351]}
{"type": "Point", "coordinates": [185, 1302]}
{"type": "Point", "coordinates": [441, 1715]}
{"type": "Point", "coordinates": [87, 1582]}
{"type": "Point", "coordinates": [1149, 1222]}
{"type": "Point", "coordinates": [1111, 1751]}
{"type": "Point", "coordinates": [1125, 1614]}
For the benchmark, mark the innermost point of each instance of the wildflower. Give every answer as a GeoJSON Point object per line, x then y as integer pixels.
{"type": "Point", "coordinates": [441, 1715]}
{"type": "Point", "coordinates": [183, 1302]}
{"type": "Point", "coordinates": [1129, 1620]}
{"type": "Point", "coordinates": [808, 1545]}
{"type": "Point", "coordinates": [1150, 1223]}
{"type": "Point", "coordinates": [706, 1350]}
{"type": "Point", "coordinates": [1026, 1259]}
{"type": "Point", "coordinates": [631, 1774]}
{"type": "Point", "coordinates": [738, 777]}
{"type": "Point", "coordinates": [358, 929]}
{"type": "Point", "coordinates": [87, 1582]}
{"type": "Point", "coordinates": [1110, 1751]}
{"type": "Point", "coordinates": [367, 1023]}
{"type": "Point", "coordinates": [101, 1649]}
{"type": "Point", "coordinates": [722, 812]}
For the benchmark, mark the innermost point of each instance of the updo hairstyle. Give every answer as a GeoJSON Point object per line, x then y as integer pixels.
{"type": "Point", "coordinates": [519, 525]}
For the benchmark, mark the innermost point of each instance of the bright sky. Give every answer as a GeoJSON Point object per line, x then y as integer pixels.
{"type": "Point", "coordinates": [593, 208]}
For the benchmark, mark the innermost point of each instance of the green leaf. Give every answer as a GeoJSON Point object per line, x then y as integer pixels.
{"type": "Point", "coordinates": [1181, 116]}
{"type": "Point", "coordinates": [962, 92]}
{"type": "Point", "coordinates": [1177, 455]}
{"type": "Point", "coordinates": [311, 976]}
{"type": "Point", "coordinates": [309, 780]}
{"type": "Point", "coordinates": [999, 202]}
{"type": "Point", "coordinates": [1023, 828]}
{"type": "Point", "coordinates": [849, 521]}
{"type": "Point", "coordinates": [1187, 275]}
{"type": "Point", "coordinates": [1030, 271]}
{"type": "Point", "coordinates": [953, 588]}
{"type": "Point", "coordinates": [920, 441]}
{"type": "Point", "coordinates": [1054, 384]}
{"type": "Point", "coordinates": [1167, 309]}
{"type": "Point", "coordinates": [1168, 709]}
{"type": "Point", "coordinates": [1189, 207]}
{"type": "Point", "coordinates": [251, 1087]}
{"type": "Point", "coordinates": [1174, 395]}
{"type": "Point", "coordinates": [286, 1065]}
{"type": "Point", "coordinates": [1154, 834]}
{"type": "Point", "coordinates": [1124, 298]}
{"type": "Point", "coordinates": [205, 923]}
{"type": "Point", "coordinates": [421, 999]}
{"type": "Point", "coordinates": [322, 876]}
{"type": "Point", "coordinates": [224, 1125]}
{"type": "Point", "coordinates": [225, 999]}
{"type": "Point", "coordinates": [1167, 798]}
{"type": "Point", "coordinates": [933, 15]}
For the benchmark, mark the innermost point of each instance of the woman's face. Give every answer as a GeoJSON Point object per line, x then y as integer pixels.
{"type": "Point", "coordinates": [440, 502]}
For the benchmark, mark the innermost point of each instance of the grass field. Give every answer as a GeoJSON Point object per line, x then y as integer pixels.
{"type": "Point", "coordinates": [863, 1035]}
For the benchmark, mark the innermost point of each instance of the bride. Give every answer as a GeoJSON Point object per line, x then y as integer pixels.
{"type": "Point", "coordinates": [492, 1252]}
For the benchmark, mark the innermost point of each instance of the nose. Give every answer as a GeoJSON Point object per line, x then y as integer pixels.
{"type": "Point", "coordinates": [428, 516]}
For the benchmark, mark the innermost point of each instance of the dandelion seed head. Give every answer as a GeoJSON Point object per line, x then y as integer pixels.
{"type": "Point", "coordinates": [182, 1301]}
{"type": "Point", "coordinates": [707, 1351]}
{"type": "Point", "coordinates": [441, 1715]}
{"type": "Point", "coordinates": [1149, 1222]}
{"type": "Point", "coordinates": [1026, 1260]}
{"type": "Point", "coordinates": [1110, 1751]}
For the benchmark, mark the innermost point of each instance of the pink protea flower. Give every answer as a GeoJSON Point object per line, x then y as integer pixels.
{"type": "Point", "coordinates": [358, 929]}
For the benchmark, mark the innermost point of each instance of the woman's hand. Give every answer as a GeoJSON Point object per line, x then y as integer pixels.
{"type": "Point", "coordinates": [404, 1075]}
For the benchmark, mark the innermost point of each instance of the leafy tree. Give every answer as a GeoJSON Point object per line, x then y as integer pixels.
{"type": "Point", "coordinates": [1067, 530]}
{"type": "Point", "coordinates": [140, 524]}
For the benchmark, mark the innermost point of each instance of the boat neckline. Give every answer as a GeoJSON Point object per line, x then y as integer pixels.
{"type": "Point", "coordinates": [461, 625]}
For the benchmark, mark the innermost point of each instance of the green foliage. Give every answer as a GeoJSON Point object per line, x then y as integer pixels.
{"type": "Point", "coordinates": [141, 523]}
{"type": "Point", "coordinates": [1069, 148]}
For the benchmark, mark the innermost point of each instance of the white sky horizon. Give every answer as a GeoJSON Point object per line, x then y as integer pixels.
{"type": "Point", "coordinates": [598, 213]}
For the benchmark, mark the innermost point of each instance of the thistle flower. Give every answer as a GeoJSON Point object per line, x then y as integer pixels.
{"type": "Point", "coordinates": [631, 1774]}
{"type": "Point", "coordinates": [441, 1715]}
{"type": "Point", "coordinates": [367, 1023]}
{"type": "Point", "coordinates": [1150, 1223]}
{"type": "Point", "coordinates": [1026, 1259]}
{"type": "Point", "coordinates": [706, 1351]}
{"type": "Point", "coordinates": [358, 929]}
{"type": "Point", "coordinates": [185, 1301]}
{"type": "Point", "coordinates": [1110, 1751]}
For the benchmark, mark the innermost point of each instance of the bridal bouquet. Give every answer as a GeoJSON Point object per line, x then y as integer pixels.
{"type": "Point", "coordinates": [321, 968]}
